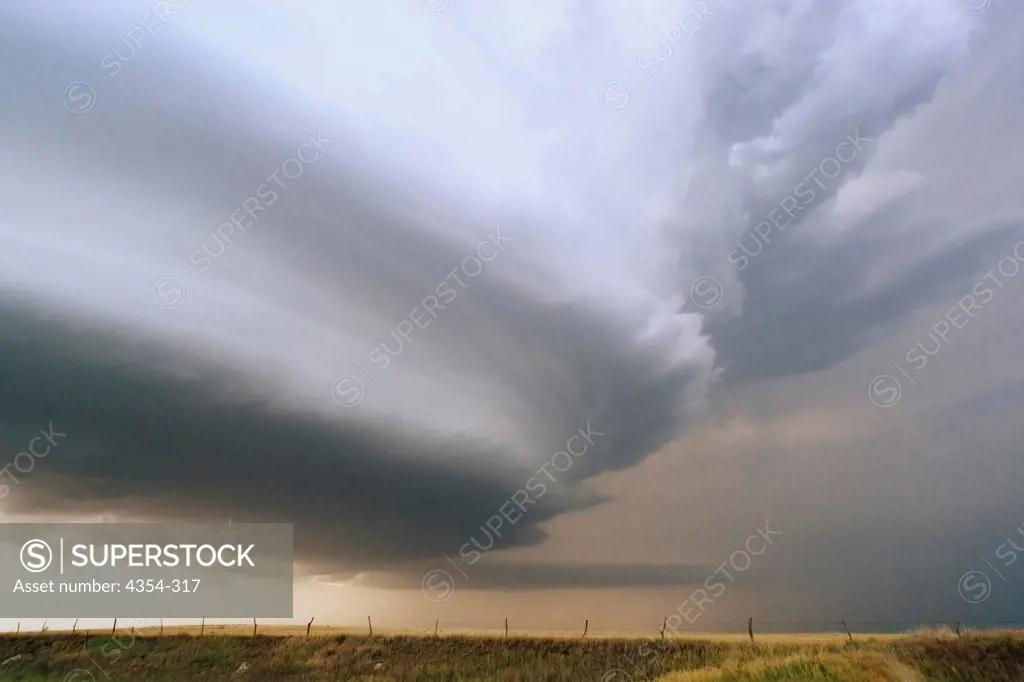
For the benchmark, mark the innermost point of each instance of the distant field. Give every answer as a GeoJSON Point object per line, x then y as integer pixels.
{"type": "Point", "coordinates": [245, 630]}
{"type": "Point", "coordinates": [284, 653]}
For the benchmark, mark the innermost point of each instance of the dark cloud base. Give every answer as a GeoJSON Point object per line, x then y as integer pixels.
{"type": "Point", "coordinates": [163, 433]}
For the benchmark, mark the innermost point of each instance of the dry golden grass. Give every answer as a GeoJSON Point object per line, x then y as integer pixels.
{"type": "Point", "coordinates": [284, 654]}
{"type": "Point", "coordinates": [856, 666]}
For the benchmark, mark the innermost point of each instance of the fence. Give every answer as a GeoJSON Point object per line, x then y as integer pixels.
{"type": "Point", "coordinates": [770, 627]}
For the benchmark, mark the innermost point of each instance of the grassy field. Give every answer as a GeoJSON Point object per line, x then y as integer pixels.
{"type": "Point", "coordinates": [327, 655]}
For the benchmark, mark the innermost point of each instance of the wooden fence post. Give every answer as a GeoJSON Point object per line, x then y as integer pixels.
{"type": "Point", "coordinates": [586, 625]}
{"type": "Point", "coordinates": [436, 621]}
{"type": "Point", "coordinates": [161, 627]}
{"type": "Point", "coordinates": [308, 626]}
{"type": "Point", "coordinates": [370, 623]}
{"type": "Point", "coordinates": [44, 628]}
{"type": "Point", "coordinates": [114, 629]}
{"type": "Point", "coordinates": [202, 626]}
{"type": "Point", "coordinates": [19, 628]}
{"type": "Point", "coordinates": [750, 628]}
{"type": "Point", "coordinates": [847, 630]}
{"type": "Point", "coordinates": [958, 628]}
{"type": "Point", "coordinates": [664, 623]}
{"type": "Point", "coordinates": [74, 627]}
{"type": "Point", "coordinates": [253, 627]}
{"type": "Point", "coordinates": [506, 627]}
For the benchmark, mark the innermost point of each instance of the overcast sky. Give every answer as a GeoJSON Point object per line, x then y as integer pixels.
{"type": "Point", "coordinates": [538, 309]}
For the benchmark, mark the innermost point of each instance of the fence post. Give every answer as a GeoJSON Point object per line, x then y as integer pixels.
{"type": "Point", "coordinates": [586, 625]}
{"type": "Point", "coordinates": [44, 628]}
{"type": "Point", "coordinates": [202, 626]}
{"type": "Point", "coordinates": [750, 628]}
{"type": "Point", "coordinates": [506, 627]}
{"type": "Point", "coordinates": [113, 629]}
{"type": "Point", "coordinates": [308, 626]}
{"type": "Point", "coordinates": [19, 628]}
{"type": "Point", "coordinates": [253, 627]}
{"type": "Point", "coordinates": [958, 628]}
{"type": "Point", "coordinates": [847, 630]}
{"type": "Point", "coordinates": [161, 627]}
{"type": "Point", "coordinates": [74, 627]}
{"type": "Point", "coordinates": [436, 621]}
{"type": "Point", "coordinates": [664, 623]}
{"type": "Point", "coordinates": [370, 623]}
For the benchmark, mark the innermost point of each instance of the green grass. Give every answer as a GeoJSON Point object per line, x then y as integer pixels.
{"type": "Point", "coordinates": [816, 665]}
{"type": "Point", "coordinates": [919, 656]}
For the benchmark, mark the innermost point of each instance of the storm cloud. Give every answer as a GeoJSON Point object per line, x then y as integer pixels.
{"type": "Point", "coordinates": [137, 307]}
{"type": "Point", "coordinates": [370, 270]}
